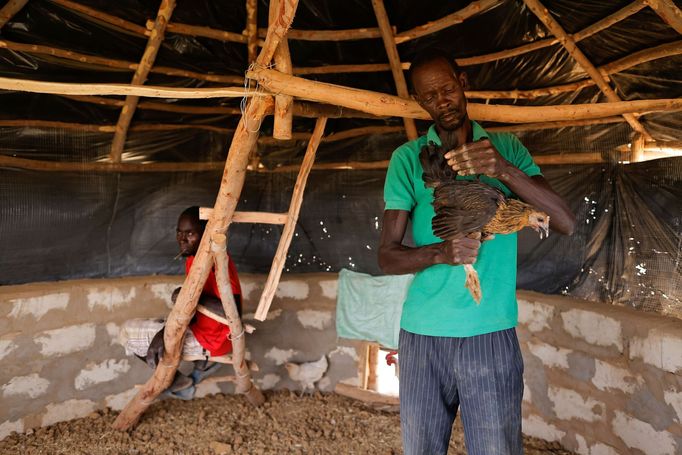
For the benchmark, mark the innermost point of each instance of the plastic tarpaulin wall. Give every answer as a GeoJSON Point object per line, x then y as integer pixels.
{"type": "Point", "coordinates": [626, 247]}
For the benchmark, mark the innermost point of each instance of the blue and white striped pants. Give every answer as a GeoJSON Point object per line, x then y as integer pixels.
{"type": "Point", "coordinates": [482, 374]}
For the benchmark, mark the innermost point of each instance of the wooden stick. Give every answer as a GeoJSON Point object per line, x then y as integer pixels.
{"type": "Point", "coordinates": [95, 128]}
{"type": "Point", "coordinates": [292, 217]}
{"type": "Point", "coordinates": [528, 94]}
{"type": "Point", "coordinates": [70, 166]}
{"type": "Point", "coordinates": [473, 9]}
{"type": "Point", "coordinates": [11, 8]}
{"type": "Point", "coordinates": [92, 60]}
{"type": "Point", "coordinates": [637, 149]}
{"type": "Point", "coordinates": [336, 69]}
{"type": "Point", "coordinates": [643, 56]}
{"type": "Point", "coordinates": [226, 202]}
{"type": "Point", "coordinates": [394, 61]}
{"type": "Point", "coordinates": [388, 105]}
{"type": "Point", "coordinates": [102, 17]}
{"type": "Point", "coordinates": [553, 125]}
{"type": "Point", "coordinates": [251, 30]}
{"type": "Point", "coordinates": [367, 396]}
{"type": "Point", "coordinates": [248, 217]}
{"type": "Point", "coordinates": [63, 88]}
{"type": "Point", "coordinates": [670, 13]}
{"type": "Point", "coordinates": [140, 76]}
{"type": "Point", "coordinates": [330, 35]}
{"type": "Point", "coordinates": [618, 16]}
{"type": "Point", "coordinates": [244, 385]}
{"type": "Point", "coordinates": [277, 31]}
{"type": "Point", "coordinates": [570, 45]}
{"type": "Point", "coordinates": [204, 32]}
{"type": "Point", "coordinates": [284, 114]}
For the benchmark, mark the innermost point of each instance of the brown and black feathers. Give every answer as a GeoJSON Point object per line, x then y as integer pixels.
{"type": "Point", "coordinates": [461, 206]}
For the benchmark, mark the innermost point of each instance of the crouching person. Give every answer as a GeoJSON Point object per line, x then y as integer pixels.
{"type": "Point", "coordinates": [206, 337]}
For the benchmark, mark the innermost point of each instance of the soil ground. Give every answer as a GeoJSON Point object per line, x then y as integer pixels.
{"type": "Point", "coordinates": [224, 424]}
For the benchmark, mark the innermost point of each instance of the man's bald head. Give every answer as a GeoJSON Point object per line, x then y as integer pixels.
{"type": "Point", "coordinates": [426, 58]}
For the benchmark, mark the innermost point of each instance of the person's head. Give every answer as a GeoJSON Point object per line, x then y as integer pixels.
{"type": "Point", "coordinates": [189, 231]}
{"type": "Point", "coordinates": [438, 85]}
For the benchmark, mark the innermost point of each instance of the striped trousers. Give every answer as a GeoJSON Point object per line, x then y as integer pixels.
{"type": "Point", "coordinates": [482, 375]}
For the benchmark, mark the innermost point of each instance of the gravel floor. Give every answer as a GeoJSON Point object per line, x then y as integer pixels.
{"type": "Point", "coordinates": [287, 423]}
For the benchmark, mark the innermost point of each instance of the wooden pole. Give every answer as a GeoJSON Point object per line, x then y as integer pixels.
{"type": "Point", "coordinates": [330, 35]}
{"type": "Point", "coordinates": [64, 88]}
{"type": "Point", "coordinates": [394, 61]}
{"type": "Point", "coordinates": [140, 76]}
{"type": "Point", "coordinates": [226, 202]}
{"type": "Point", "coordinates": [251, 30]}
{"type": "Point", "coordinates": [571, 47]}
{"type": "Point", "coordinates": [393, 106]}
{"type": "Point", "coordinates": [290, 226]}
{"type": "Point", "coordinates": [598, 26]}
{"type": "Point", "coordinates": [473, 9]}
{"type": "Point", "coordinates": [284, 113]}
{"type": "Point", "coordinates": [96, 62]}
{"type": "Point", "coordinates": [643, 56]}
{"type": "Point", "coordinates": [244, 385]}
{"type": "Point", "coordinates": [117, 22]}
{"type": "Point", "coordinates": [11, 8]}
{"type": "Point", "coordinates": [204, 32]}
{"type": "Point", "coordinates": [637, 149]}
{"type": "Point", "coordinates": [669, 12]}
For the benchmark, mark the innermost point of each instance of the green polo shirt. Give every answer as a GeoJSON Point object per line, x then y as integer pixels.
{"type": "Point", "coordinates": [437, 302]}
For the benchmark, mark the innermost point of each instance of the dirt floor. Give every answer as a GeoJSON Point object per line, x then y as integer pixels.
{"type": "Point", "coordinates": [220, 424]}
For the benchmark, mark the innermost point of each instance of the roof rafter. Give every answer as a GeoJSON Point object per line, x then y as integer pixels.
{"type": "Point", "coordinates": [667, 10]}
{"type": "Point", "coordinates": [571, 47]}
{"type": "Point", "coordinates": [11, 8]}
{"type": "Point", "coordinates": [146, 63]}
{"type": "Point", "coordinates": [394, 61]}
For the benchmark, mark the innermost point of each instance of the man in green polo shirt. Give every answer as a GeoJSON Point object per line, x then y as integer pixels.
{"type": "Point", "coordinates": [453, 352]}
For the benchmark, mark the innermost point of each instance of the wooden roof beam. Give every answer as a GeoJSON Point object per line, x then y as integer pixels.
{"type": "Point", "coordinates": [284, 112]}
{"type": "Point", "coordinates": [394, 61]}
{"type": "Point", "coordinates": [474, 8]}
{"type": "Point", "coordinates": [571, 47]}
{"type": "Point", "coordinates": [10, 8]}
{"type": "Point", "coordinates": [668, 11]}
{"type": "Point", "coordinates": [140, 76]}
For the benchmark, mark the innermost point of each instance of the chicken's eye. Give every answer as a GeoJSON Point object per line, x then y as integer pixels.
{"type": "Point", "coordinates": [541, 219]}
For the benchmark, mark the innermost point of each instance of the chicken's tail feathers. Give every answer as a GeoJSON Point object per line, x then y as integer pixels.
{"type": "Point", "coordinates": [472, 283]}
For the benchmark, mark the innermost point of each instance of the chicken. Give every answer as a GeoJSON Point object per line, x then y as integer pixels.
{"type": "Point", "coordinates": [471, 207]}
{"type": "Point", "coordinates": [307, 373]}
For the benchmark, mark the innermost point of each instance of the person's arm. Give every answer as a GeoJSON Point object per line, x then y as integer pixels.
{"type": "Point", "coordinates": [212, 303]}
{"type": "Point", "coordinates": [481, 157]}
{"type": "Point", "coordinates": [397, 259]}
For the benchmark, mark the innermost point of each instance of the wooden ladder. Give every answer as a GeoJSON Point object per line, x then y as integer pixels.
{"type": "Point", "coordinates": [288, 219]}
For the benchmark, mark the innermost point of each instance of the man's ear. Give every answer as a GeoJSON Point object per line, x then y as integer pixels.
{"type": "Point", "coordinates": [463, 80]}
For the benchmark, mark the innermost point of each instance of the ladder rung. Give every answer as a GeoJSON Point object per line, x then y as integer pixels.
{"type": "Point", "coordinates": [248, 217]}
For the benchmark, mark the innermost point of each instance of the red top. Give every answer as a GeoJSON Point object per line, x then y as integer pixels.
{"type": "Point", "coordinates": [212, 335]}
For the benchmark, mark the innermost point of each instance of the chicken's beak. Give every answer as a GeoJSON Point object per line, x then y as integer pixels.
{"type": "Point", "coordinates": [544, 232]}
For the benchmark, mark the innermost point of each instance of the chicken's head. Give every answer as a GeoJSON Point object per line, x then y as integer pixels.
{"type": "Point", "coordinates": [539, 221]}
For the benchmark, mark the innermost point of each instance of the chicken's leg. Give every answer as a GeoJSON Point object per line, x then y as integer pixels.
{"type": "Point", "coordinates": [472, 283]}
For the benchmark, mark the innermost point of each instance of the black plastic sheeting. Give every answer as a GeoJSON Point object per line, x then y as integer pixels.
{"type": "Point", "coordinates": [626, 247]}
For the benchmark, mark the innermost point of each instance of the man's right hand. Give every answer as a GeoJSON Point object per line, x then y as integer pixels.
{"type": "Point", "coordinates": [155, 351]}
{"type": "Point", "coordinates": [463, 250]}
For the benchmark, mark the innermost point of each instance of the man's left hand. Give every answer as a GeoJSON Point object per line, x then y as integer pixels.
{"type": "Point", "coordinates": [480, 157]}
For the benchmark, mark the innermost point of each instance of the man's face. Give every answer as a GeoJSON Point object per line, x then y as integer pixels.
{"type": "Point", "coordinates": [188, 235]}
{"type": "Point", "coordinates": [441, 93]}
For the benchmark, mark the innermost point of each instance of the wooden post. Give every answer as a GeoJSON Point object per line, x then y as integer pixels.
{"type": "Point", "coordinates": [11, 8]}
{"type": "Point", "coordinates": [637, 149]}
{"type": "Point", "coordinates": [292, 217]}
{"type": "Point", "coordinates": [571, 47]}
{"type": "Point", "coordinates": [667, 10]}
{"type": "Point", "coordinates": [394, 60]}
{"type": "Point", "coordinates": [244, 385]}
{"type": "Point", "coordinates": [117, 22]}
{"type": "Point", "coordinates": [226, 202]}
{"type": "Point", "coordinates": [372, 362]}
{"type": "Point", "coordinates": [128, 110]}
{"type": "Point", "coordinates": [252, 29]}
{"type": "Point", "coordinates": [284, 112]}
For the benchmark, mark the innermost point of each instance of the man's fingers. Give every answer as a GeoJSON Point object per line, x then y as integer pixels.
{"type": "Point", "coordinates": [469, 147]}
